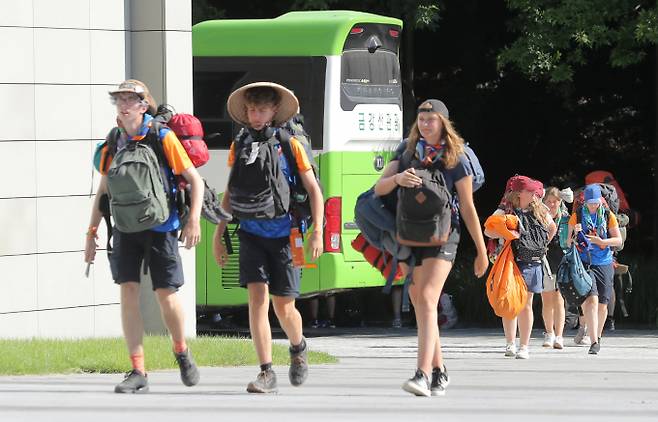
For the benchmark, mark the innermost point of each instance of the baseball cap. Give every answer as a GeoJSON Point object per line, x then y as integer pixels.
{"type": "Point", "coordinates": [592, 194]}
{"type": "Point", "coordinates": [434, 106]}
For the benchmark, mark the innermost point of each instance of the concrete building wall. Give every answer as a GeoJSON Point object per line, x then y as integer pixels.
{"type": "Point", "coordinates": [60, 58]}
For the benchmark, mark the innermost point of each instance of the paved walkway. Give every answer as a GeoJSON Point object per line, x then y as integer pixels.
{"type": "Point", "coordinates": [619, 384]}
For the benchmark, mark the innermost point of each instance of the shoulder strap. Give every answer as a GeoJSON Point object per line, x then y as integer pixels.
{"type": "Point", "coordinates": [284, 140]}
{"type": "Point", "coordinates": [111, 141]}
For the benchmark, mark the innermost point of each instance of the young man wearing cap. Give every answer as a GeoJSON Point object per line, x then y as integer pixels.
{"type": "Point", "coordinates": [157, 246]}
{"type": "Point", "coordinates": [265, 223]}
{"type": "Point", "coordinates": [601, 233]}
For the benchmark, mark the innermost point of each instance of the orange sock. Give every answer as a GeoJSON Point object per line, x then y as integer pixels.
{"type": "Point", "coordinates": [138, 362]}
{"type": "Point", "coordinates": [180, 346]}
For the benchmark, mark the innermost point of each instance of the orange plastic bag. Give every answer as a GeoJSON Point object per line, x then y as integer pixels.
{"type": "Point", "coordinates": [506, 289]}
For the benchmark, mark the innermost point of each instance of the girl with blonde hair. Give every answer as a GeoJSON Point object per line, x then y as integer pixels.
{"type": "Point", "coordinates": [435, 142]}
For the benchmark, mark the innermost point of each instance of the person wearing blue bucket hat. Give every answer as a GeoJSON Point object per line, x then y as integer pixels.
{"type": "Point", "coordinates": [600, 229]}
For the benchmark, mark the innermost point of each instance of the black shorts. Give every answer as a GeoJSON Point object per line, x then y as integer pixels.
{"type": "Point", "coordinates": [266, 260]}
{"type": "Point", "coordinates": [446, 252]}
{"type": "Point", "coordinates": [164, 265]}
{"type": "Point", "coordinates": [602, 283]}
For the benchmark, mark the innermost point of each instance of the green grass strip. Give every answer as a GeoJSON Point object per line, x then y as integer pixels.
{"type": "Point", "coordinates": [109, 355]}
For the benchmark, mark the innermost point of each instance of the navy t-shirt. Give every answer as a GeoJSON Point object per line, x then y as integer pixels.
{"type": "Point", "coordinates": [452, 175]}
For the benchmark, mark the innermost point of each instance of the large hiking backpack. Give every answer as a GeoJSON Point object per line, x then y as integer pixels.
{"type": "Point", "coordinates": [258, 188]}
{"type": "Point", "coordinates": [573, 280]}
{"type": "Point", "coordinates": [300, 202]}
{"type": "Point", "coordinates": [188, 130]}
{"type": "Point", "coordinates": [423, 213]}
{"type": "Point", "coordinates": [377, 225]}
{"type": "Point", "coordinates": [476, 169]}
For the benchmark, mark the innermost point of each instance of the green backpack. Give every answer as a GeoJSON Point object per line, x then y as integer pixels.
{"type": "Point", "coordinates": [137, 196]}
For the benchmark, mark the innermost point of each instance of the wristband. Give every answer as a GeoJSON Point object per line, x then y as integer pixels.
{"type": "Point", "coordinates": [91, 232]}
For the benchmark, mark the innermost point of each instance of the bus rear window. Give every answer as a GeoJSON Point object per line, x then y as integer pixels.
{"type": "Point", "coordinates": [369, 78]}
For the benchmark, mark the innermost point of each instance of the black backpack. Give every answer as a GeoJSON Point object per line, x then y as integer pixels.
{"type": "Point", "coordinates": [258, 188]}
{"type": "Point", "coordinates": [423, 213]}
{"type": "Point", "coordinates": [531, 246]}
{"type": "Point", "coordinates": [300, 202]}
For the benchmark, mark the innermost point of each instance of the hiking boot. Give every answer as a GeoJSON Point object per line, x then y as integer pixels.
{"type": "Point", "coordinates": [440, 381]}
{"type": "Point", "coordinates": [549, 340]}
{"type": "Point", "coordinates": [298, 365]}
{"type": "Point", "coordinates": [510, 350]}
{"type": "Point", "coordinates": [189, 373]}
{"type": "Point", "coordinates": [523, 353]}
{"type": "Point", "coordinates": [264, 383]}
{"type": "Point", "coordinates": [594, 349]}
{"type": "Point", "coordinates": [133, 383]}
{"type": "Point", "coordinates": [559, 343]}
{"type": "Point", "coordinates": [418, 385]}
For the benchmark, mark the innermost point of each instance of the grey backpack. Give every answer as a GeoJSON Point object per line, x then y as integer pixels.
{"type": "Point", "coordinates": [137, 196]}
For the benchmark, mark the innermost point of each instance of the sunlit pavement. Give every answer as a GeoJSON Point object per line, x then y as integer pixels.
{"type": "Point", "coordinates": [619, 384]}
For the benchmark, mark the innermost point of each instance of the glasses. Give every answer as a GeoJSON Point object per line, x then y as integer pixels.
{"type": "Point", "coordinates": [129, 100]}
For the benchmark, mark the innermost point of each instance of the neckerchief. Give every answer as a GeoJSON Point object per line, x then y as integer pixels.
{"type": "Point", "coordinates": [591, 226]}
{"type": "Point", "coordinates": [429, 154]}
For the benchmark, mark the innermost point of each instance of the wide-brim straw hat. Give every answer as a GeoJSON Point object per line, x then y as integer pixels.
{"type": "Point", "coordinates": [288, 106]}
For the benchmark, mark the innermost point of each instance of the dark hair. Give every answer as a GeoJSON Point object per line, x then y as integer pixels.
{"type": "Point", "coordinates": [262, 95]}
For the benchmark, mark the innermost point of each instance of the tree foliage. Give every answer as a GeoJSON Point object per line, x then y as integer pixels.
{"type": "Point", "coordinates": [556, 37]}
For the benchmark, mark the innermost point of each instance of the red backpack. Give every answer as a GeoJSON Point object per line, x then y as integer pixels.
{"type": "Point", "coordinates": [188, 130]}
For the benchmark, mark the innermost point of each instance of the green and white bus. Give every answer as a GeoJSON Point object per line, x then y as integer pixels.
{"type": "Point", "coordinates": [343, 67]}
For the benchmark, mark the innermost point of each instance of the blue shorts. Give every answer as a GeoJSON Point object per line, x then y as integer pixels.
{"type": "Point", "coordinates": [533, 275]}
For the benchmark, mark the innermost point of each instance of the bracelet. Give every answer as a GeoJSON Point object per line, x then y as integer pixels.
{"type": "Point", "coordinates": [91, 232]}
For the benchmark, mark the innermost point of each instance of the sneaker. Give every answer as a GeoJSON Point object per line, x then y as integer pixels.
{"type": "Point", "coordinates": [510, 350]}
{"type": "Point", "coordinates": [298, 365]}
{"type": "Point", "coordinates": [133, 383]}
{"type": "Point", "coordinates": [580, 338]}
{"type": "Point", "coordinates": [440, 381]}
{"type": "Point", "coordinates": [315, 324]}
{"type": "Point", "coordinates": [264, 383]}
{"type": "Point", "coordinates": [397, 323]}
{"type": "Point", "coordinates": [594, 349]}
{"type": "Point", "coordinates": [189, 373]}
{"type": "Point", "coordinates": [559, 343]}
{"type": "Point", "coordinates": [609, 324]}
{"type": "Point", "coordinates": [331, 323]}
{"type": "Point", "coordinates": [549, 340]}
{"type": "Point", "coordinates": [523, 353]}
{"type": "Point", "coordinates": [418, 385]}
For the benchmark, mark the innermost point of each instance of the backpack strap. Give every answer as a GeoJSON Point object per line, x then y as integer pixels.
{"type": "Point", "coordinates": [284, 140]}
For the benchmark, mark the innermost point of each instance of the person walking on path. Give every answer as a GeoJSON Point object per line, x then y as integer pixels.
{"type": "Point", "coordinates": [536, 228]}
{"type": "Point", "coordinates": [597, 230]}
{"type": "Point", "coordinates": [442, 148]}
{"type": "Point", "coordinates": [553, 310]}
{"type": "Point", "coordinates": [266, 223]}
{"type": "Point", "coordinates": [155, 247]}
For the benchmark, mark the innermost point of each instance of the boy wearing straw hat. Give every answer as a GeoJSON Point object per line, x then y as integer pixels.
{"type": "Point", "coordinates": [258, 194]}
